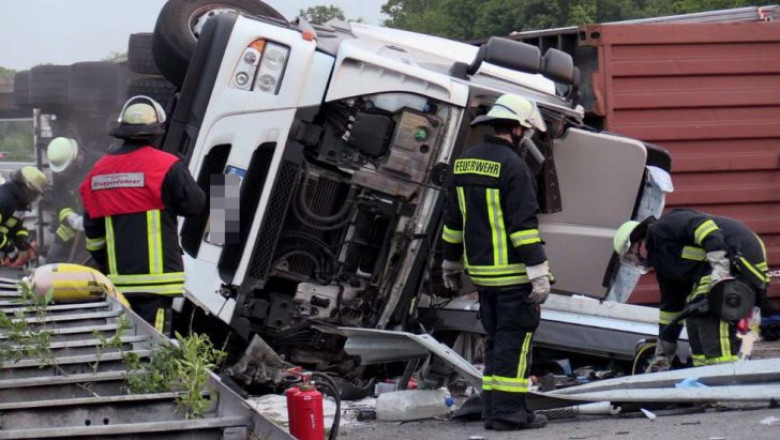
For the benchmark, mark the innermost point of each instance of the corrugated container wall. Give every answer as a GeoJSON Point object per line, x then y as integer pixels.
{"type": "Point", "coordinates": [710, 94]}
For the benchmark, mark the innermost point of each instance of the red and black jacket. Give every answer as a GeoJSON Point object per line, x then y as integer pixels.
{"type": "Point", "coordinates": [131, 198]}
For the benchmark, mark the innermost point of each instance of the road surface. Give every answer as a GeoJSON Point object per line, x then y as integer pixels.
{"type": "Point", "coordinates": [737, 423]}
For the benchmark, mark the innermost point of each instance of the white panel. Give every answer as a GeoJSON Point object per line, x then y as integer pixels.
{"type": "Point", "coordinates": [319, 73]}
{"type": "Point", "coordinates": [599, 177]}
{"type": "Point", "coordinates": [245, 133]}
{"type": "Point", "coordinates": [202, 284]}
{"type": "Point", "coordinates": [435, 50]}
{"type": "Point", "coordinates": [364, 68]}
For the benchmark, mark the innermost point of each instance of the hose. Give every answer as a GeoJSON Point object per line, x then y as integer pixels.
{"type": "Point", "coordinates": [309, 223]}
{"type": "Point", "coordinates": [312, 239]}
{"type": "Point", "coordinates": [331, 385]}
{"type": "Point", "coordinates": [301, 253]}
{"type": "Point", "coordinates": [303, 196]}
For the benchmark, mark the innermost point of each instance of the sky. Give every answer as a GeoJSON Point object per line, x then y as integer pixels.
{"type": "Point", "coordinates": [33, 32]}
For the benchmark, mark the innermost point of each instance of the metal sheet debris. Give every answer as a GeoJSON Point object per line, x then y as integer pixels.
{"type": "Point", "coordinates": [377, 346]}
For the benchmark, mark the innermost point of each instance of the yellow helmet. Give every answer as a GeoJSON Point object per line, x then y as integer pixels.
{"type": "Point", "coordinates": [61, 152]}
{"type": "Point", "coordinates": [622, 240]}
{"type": "Point", "coordinates": [34, 179]}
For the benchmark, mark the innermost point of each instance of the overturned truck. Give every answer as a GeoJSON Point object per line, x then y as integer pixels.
{"type": "Point", "coordinates": [326, 151]}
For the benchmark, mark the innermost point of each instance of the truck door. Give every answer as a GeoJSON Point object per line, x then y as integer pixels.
{"type": "Point", "coordinates": [600, 177]}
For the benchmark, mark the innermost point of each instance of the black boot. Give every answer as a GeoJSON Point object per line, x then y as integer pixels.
{"type": "Point", "coordinates": [533, 421]}
{"type": "Point", "coordinates": [487, 409]}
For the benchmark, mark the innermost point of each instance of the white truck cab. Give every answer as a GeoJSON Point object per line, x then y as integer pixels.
{"type": "Point", "coordinates": [337, 142]}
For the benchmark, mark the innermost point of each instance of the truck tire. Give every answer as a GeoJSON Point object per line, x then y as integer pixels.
{"type": "Point", "coordinates": [179, 23]}
{"type": "Point", "coordinates": [155, 87]}
{"type": "Point", "coordinates": [139, 54]}
{"type": "Point", "coordinates": [22, 89]}
{"type": "Point", "coordinates": [49, 86]}
{"type": "Point", "coordinates": [94, 85]}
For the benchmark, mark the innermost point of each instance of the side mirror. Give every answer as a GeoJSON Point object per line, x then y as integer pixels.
{"type": "Point", "coordinates": [558, 66]}
{"type": "Point", "coordinates": [508, 53]}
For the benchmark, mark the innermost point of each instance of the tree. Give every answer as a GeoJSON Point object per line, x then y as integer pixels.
{"type": "Point", "coordinates": [473, 19]}
{"type": "Point", "coordinates": [322, 14]}
{"type": "Point", "coordinates": [116, 57]}
{"type": "Point", "coordinates": [6, 74]}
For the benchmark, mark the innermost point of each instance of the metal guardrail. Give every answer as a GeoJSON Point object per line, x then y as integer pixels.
{"type": "Point", "coordinates": [81, 392]}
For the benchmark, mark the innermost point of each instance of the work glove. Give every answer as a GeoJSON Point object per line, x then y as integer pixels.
{"type": "Point", "coordinates": [75, 221]}
{"type": "Point", "coordinates": [71, 219]}
{"type": "Point", "coordinates": [452, 274]}
{"type": "Point", "coordinates": [721, 268]}
{"type": "Point", "coordinates": [665, 352]}
{"type": "Point", "coordinates": [540, 282]}
{"type": "Point", "coordinates": [65, 232]}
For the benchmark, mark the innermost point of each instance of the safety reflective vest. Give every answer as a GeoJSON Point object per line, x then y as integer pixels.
{"type": "Point", "coordinates": [490, 218]}
{"type": "Point", "coordinates": [138, 235]}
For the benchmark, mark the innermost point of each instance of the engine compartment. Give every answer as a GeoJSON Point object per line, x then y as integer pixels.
{"type": "Point", "coordinates": [342, 228]}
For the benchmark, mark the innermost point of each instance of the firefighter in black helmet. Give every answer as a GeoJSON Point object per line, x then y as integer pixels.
{"type": "Point", "coordinates": [132, 197]}
{"type": "Point", "coordinates": [692, 252]}
{"type": "Point", "coordinates": [491, 233]}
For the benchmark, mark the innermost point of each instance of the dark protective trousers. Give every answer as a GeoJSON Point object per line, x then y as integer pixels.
{"type": "Point", "coordinates": [154, 309]}
{"type": "Point", "coordinates": [509, 320]}
{"type": "Point", "coordinates": [712, 341]}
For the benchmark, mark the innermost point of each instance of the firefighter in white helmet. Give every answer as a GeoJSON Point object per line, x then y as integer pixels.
{"type": "Point", "coordinates": [17, 196]}
{"type": "Point", "coordinates": [491, 233]}
{"type": "Point", "coordinates": [66, 160]}
{"type": "Point", "coordinates": [132, 197]}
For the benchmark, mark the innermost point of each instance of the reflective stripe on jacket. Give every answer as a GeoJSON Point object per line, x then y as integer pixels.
{"type": "Point", "coordinates": [490, 217]}
{"type": "Point", "coordinates": [677, 247]}
{"type": "Point", "coordinates": [12, 211]}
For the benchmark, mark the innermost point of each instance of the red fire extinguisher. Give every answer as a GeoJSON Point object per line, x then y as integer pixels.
{"type": "Point", "coordinates": [304, 409]}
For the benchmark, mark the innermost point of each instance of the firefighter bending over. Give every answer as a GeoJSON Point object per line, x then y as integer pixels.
{"type": "Point", "coordinates": [17, 196]}
{"type": "Point", "coordinates": [711, 268]}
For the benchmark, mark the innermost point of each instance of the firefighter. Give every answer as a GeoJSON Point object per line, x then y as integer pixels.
{"type": "Point", "coordinates": [491, 233]}
{"type": "Point", "coordinates": [691, 252]}
{"type": "Point", "coordinates": [66, 163]}
{"type": "Point", "coordinates": [132, 197]}
{"type": "Point", "coordinates": [17, 196]}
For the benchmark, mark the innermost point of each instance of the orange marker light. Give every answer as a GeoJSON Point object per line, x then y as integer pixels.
{"type": "Point", "coordinates": [258, 45]}
{"type": "Point", "coordinates": [308, 35]}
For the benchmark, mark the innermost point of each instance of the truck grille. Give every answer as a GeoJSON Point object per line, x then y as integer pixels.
{"type": "Point", "coordinates": [265, 244]}
{"type": "Point", "coordinates": [323, 200]}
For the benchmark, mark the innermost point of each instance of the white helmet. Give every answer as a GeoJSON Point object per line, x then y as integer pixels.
{"type": "Point", "coordinates": [141, 110]}
{"type": "Point", "coordinates": [61, 152]}
{"type": "Point", "coordinates": [141, 116]}
{"type": "Point", "coordinates": [514, 108]}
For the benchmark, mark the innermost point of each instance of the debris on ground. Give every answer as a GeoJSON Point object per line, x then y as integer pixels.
{"type": "Point", "coordinates": [770, 421]}
{"type": "Point", "coordinates": [649, 414]}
